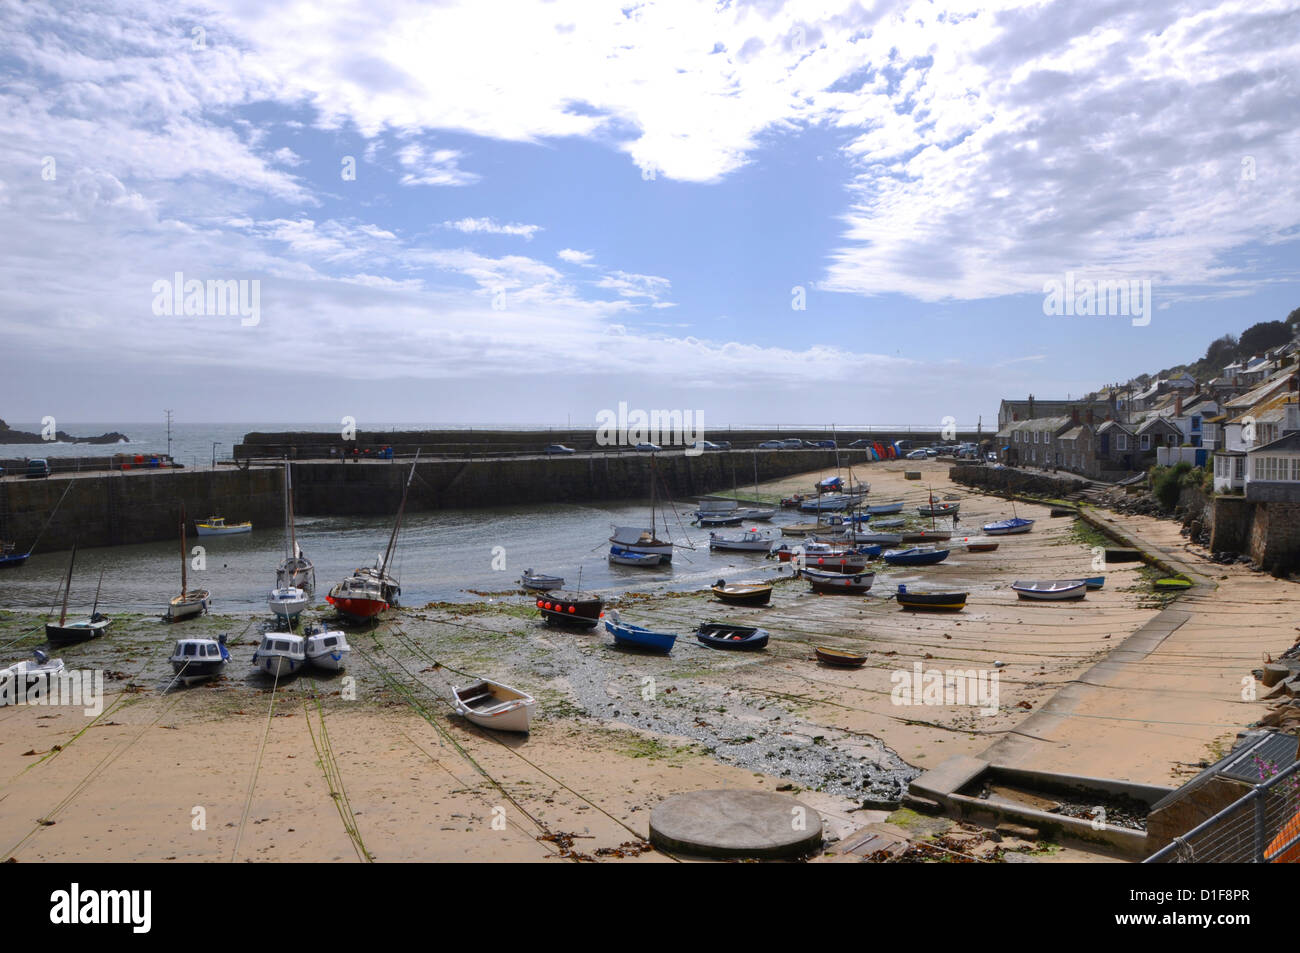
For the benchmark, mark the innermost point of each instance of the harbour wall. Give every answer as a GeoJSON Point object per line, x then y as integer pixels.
{"type": "Point", "coordinates": [144, 505]}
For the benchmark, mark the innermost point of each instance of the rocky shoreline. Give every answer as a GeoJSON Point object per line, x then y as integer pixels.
{"type": "Point", "coordinates": [9, 435]}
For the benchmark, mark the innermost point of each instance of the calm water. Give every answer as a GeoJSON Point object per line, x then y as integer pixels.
{"type": "Point", "coordinates": [441, 557]}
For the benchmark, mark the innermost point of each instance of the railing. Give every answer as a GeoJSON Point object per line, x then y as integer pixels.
{"type": "Point", "coordinates": [1263, 828]}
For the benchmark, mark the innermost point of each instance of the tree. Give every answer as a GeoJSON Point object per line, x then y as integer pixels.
{"type": "Point", "coordinates": [1293, 318]}
{"type": "Point", "coordinates": [1260, 337]}
{"type": "Point", "coordinates": [1221, 351]}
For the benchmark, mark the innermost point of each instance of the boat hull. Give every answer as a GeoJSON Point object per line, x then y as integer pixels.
{"type": "Point", "coordinates": [223, 530]}
{"type": "Point", "coordinates": [1057, 592]}
{"type": "Point", "coordinates": [195, 603]}
{"type": "Point", "coordinates": [190, 671]}
{"type": "Point", "coordinates": [737, 638]}
{"type": "Point", "coordinates": [746, 596]}
{"type": "Point", "coordinates": [932, 601]}
{"type": "Point", "coordinates": [834, 583]}
{"type": "Point", "coordinates": [570, 612]}
{"type": "Point", "coordinates": [279, 666]}
{"type": "Point", "coordinates": [76, 632]}
{"type": "Point", "coordinates": [1008, 527]}
{"type": "Point", "coordinates": [910, 558]}
{"type": "Point", "coordinates": [838, 658]}
{"type": "Point", "coordinates": [506, 714]}
{"type": "Point", "coordinates": [634, 636]}
{"type": "Point", "coordinates": [361, 609]}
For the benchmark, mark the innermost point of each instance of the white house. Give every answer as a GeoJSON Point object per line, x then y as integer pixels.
{"type": "Point", "coordinates": [1273, 470]}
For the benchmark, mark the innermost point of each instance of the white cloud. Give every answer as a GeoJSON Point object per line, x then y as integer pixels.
{"type": "Point", "coordinates": [490, 227]}
{"type": "Point", "coordinates": [432, 166]}
{"type": "Point", "coordinates": [573, 256]}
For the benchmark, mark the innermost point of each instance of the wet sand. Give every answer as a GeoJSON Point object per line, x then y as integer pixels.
{"type": "Point", "coordinates": [402, 778]}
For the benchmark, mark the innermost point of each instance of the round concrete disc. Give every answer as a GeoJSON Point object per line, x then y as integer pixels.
{"type": "Point", "coordinates": [732, 823]}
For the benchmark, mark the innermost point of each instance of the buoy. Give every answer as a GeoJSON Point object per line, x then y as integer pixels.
{"type": "Point", "coordinates": [571, 608]}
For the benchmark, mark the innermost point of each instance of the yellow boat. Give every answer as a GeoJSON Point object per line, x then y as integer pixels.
{"type": "Point", "coordinates": [217, 526]}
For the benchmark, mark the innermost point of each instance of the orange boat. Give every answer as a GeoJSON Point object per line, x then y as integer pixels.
{"type": "Point", "coordinates": [1290, 832]}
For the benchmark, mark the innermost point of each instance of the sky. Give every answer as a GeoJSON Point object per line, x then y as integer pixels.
{"type": "Point", "coordinates": [528, 213]}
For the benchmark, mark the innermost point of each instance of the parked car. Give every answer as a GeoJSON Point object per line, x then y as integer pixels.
{"type": "Point", "coordinates": [771, 445]}
{"type": "Point", "coordinates": [559, 448]}
{"type": "Point", "coordinates": [794, 443]}
{"type": "Point", "coordinates": [860, 444]}
{"type": "Point", "coordinates": [710, 445]}
{"type": "Point", "coordinates": [917, 455]}
{"type": "Point", "coordinates": [40, 467]}
{"type": "Point", "coordinates": [825, 444]}
{"type": "Point", "coordinates": [723, 444]}
{"type": "Point", "coordinates": [647, 446]}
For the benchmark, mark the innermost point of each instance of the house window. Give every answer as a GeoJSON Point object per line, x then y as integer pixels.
{"type": "Point", "coordinates": [1171, 440]}
{"type": "Point", "coordinates": [1239, 469]}
{"type": "Point", "coordinates": [1121, 442]}
{"type": "Point", "coordinates": [1035, 436]}
{"type": "Point", "coordinates": [1196, 424]}
{"type": "Point", "coordinates": [1146, 441]}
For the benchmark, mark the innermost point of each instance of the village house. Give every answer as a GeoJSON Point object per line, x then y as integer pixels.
{"type": "Point", "coordinates": [1117, 446]}
{"type": "Point", "coordinates": [1010, 411]}
{"type": "Point", "coordinates": [1273, 471]}
{"type": "Point", "coordinates": [1033, 442]}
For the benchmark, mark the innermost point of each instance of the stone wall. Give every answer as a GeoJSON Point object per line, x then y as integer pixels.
{"type": "Point", "coordinates": [1010, 480]}
{"type": "Point", "coordinates": [1267, 532]}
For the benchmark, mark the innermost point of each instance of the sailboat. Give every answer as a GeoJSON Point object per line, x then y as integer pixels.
{"type": "Point", "coordinates": [638, 539]}
{"type": "Point", "coordinates": [190, 602]}
{"type": "Point", "coordinates": [760, 513]}
{"type": "Point", "coordinates": [372, 589]}
{"type": "Point", "coordinates": [83, 630]}
{"type": "Point", "coordinates": [296, 570]}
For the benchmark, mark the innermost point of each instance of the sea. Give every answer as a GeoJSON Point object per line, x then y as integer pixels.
{"type": "Point", "coordinates": [448, 555]}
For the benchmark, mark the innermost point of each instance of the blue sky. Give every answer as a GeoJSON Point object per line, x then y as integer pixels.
{"type": "Point", "coordinates": [576, 206]}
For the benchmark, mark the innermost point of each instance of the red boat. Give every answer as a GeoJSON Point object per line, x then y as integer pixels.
{"type": "Point", "coordinates": [565, 609]}
{"type": "Point", "coordinates": [358, 597]}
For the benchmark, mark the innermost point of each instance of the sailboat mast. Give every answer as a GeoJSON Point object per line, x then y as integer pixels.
{"type": "Point", "coordinates": [67, 586]}
{"type": "Point", "coordinates": [397, 525]}
{"type": "Point", "coordinates": [100, 585]}
{"type": "Point", "coordinates": [653, 532]}
{"type": "Point", "coordinates": [184, 577]}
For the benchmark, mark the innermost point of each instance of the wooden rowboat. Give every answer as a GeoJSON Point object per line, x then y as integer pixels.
{"type": "Point", "coordinates": [490, 704]}
{"type": "Point", "coordinates": [742, 593]}
{"type": "Point", "coordinates": [839, 657]}
{"type": "Point", "coordinates": [722, 635]}
{"type": "Point", "coordinates": [979, 547]}
{"type": "Point", "coordinates": [930, 601]}
{"type": "Point", "coordinates": [636, 636]}
{"type": "Point", "coordinates": [1051, 590]}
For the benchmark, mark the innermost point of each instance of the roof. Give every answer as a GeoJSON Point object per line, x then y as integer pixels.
{"type": "Point", "coordinates": [1154, 421]}
{"type": "Point", "coordinates": [1290, 442]}
{"type": "Point", "coordinates": [1074, 433]}
{"type": "Point", "coordinates": [1114, 425]}
{"type": "Point", "coordinates": [1035, 423]}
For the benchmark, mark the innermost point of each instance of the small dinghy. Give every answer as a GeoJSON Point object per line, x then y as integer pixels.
{"type": "Point", "coordinates": [540, 583]}
{"type": "Point", "coordinates": [936, 509]}
{"type": "Point", "coordinates": [916, 556]}
{"type": "Point", "coordinates": [723, 635]}
{"type": "Point", "coordinates": [877, 539]}
{"type": "Point", "coordinates": [731, 518]}
{"type": "Point", "coordinates": [838, 583]}
{"type": "Point", "coordinates": [190, 602]}
{"type": "Point", "coordinates": [742, 593]}
{"type": "Point", "coordinates": [839, 658]}
{"type": "Point", "coordinates": [884, 509]}
{"type": "Point", "coordinates": [490, 704]}
{"type": "Point", "coordinates": [21, 678]}
{"type": "Point", "coordinates": [1051, 590]}
{"type": "Point", "coordinates": [1095, 582]}
{"type": "Point", "coordinates": [750, 541]}
{"type": "Point", "coordinates": [194, 660]}
{"type": "Point", "coordinates": [927, 535]}
{"type": "Point", "coordinates": [559, 608]}
{"type": "Point", "coordinates": [980, 546]}
{"type": "Point", "coordinates": [930, 601]}
{"type": "Point", "coordinates": [281, 654]}
{"type": "Point", "coordinates": [288, 602]}
{"type": "Point", "coordinates": [889, 524]}
{"type": "Point", "coordinates": [1009, 527]}
{"type": "Point", "coordinates": [626, 557]}
{"type": "Point", "coordinates": [327, 650]}
{"type": "Point", "coordinates": [626, 634]}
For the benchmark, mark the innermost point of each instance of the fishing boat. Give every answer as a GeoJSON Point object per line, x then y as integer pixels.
{"type": "Point", "coordinates": [915, 556]}
{"type": "Point", "coordinates": [82, 630]}
{"type": "Point", "coordinates": [927, 535]}
{"type": "Point", "coordinates": [1009, 527]}
{"type": "Point", "coordinates": [936, 508]}
{"type": "Point", "coordinates": [287, 603]}
{"type": "Point", "coordinates": [295, 570]}
{"type": "Point", "coordinates": [359, 597]}
{"type": "Point", "coordinates": [627, 557]}
{"type": "Point", "coordinates": [194, 660]}
{"type": "Point", "coordinates": [751, 541]}
{"type": "Point", "coordinates": [1054, 590]}
{"type": "Point", "coordinates": [561, 608]}
{"type": "Point", "coordinates": [326, 649]}
{"type": "Point", "coordinates": [9, 555]}
{"type": "Point", "coordinates": [734, 518]}
{"type": "Point", "coordinates": [742, 593]}
{"type": "Point", "coordinates": [217, 526]}
{"type": "Point", "coordinates": [838, 583]}
{"type": "Point", "coordinates": [930, 601]}
{"type": "Point", "coordinates": [723, 635]}
{"type": "Point", "coordinates": [539, 582]}
{"type": "Point", "coordinates": [374, 589]}
{"type": "Point", "coordinates": [635, 636]}
{"type": "Point", "coordinates": [839, 658]}
{"type": "Point", "coordinates": [848, 562]}
{"type": "Point", "coordinates": [190, 602]}
{"type": "Point", "coordinates": [490, 704]}
{"type": "Point", "coordinates": [281, 654]}
{"type": "Point", "coordinates": [19, 680]}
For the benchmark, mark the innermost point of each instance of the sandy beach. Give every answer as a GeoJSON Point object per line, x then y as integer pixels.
{"type": "Point", "coordinates": [236, 771]}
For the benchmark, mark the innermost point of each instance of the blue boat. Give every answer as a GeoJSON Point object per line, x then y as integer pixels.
{"type": "Point", "coordinates": [634, 635]}
{"type": "Point", "coordinates": [626, 557]}
{"type": "Point", "coordinates": [1095, 582]}
{"type": "Point", "coordinates": [915, 556]}
{"type": "Point", "coordinates": [1009, 527]}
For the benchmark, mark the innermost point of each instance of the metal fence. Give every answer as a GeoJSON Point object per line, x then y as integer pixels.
{"type": "Point", "coordinates": [1263, 828]}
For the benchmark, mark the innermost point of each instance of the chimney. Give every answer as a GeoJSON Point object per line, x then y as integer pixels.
{"type": "Point", "coordinates": [1090, 417]}
{"type": "Point", "coordinates": [1074, 416]}
{"type": "Point", "coordinates": [1178, 404]}
{"type": "Point", "coordinates": [1031, 407]}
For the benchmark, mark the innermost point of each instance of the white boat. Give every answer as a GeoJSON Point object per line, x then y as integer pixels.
{"type": "Point", "coordinates": [638, 539]}
{"type": "Point", "coordinates": [750, 541]}
{"type": "Point", "coordinates": [882, 539]}
{"type": "Point", "coordinates": [281, 654]}
{"type": "Point", "coordinates": [838, 582]}
{"type": "Point", "coordinates": [17, 680]}
{"type": "Point", "coordinates": [758, 514]}
{"type": "Point", "coordinates": [217, 526]}
{"type": "Point", "coordinates": [490, 704]}
{"type": "Point", "coordinates": [327, 650]}
{"type": "Point", "coordinates": [883, 509]}
{"type": "Point", "coordinates": [539, 582]}
{"type": "Point", "coordinates": [295, 570]}
{"type": "Point", "coordinates": [287, 603]}
{"type": "Point", "coordinates": [1051, 590]}
{"type": "Point", "coordinates": [194, 660]}
{"type": "Point", "coordinates": [190, 602]}
{"type": "Point", "coordinates": [936, 508]}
